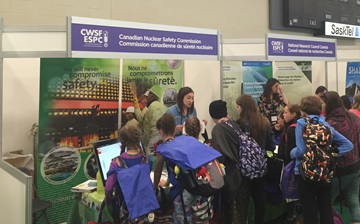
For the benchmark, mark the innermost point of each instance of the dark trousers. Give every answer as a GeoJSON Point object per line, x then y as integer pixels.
{"type": "Point", "coordinates": [315, 201]}
{"type": "Point", "coordinates": [257, 193]}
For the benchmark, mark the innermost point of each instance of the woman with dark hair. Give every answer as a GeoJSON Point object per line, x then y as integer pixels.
{"type": "Point", "coordinates": [271, 99]}
{"type": "Point", "coordinates": [258, 127]}
{"type": "Point", "coordinates": [346, 101]}
{"type": "Point", "coordinates": [348, 166]}
{"type": "Point", "coordinates": [291, 114]}
{"type": "Point", "coordinates": [184, 107]}
{"type": "Point", "coordinates": [315, 196]}
{"type": "Point", "coordinates": [320, 90]}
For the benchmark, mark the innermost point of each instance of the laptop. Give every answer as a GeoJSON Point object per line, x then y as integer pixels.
{"type": "Point", "coordinates": [105, 151]}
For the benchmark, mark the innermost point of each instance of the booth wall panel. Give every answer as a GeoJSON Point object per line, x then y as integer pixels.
{"type": "Point", "coordinates": [244, 50]}
{"type": "Point", "coordinates": [318, 74]}
{"type": "Point", "coordinates": [13, 199]}
{"type": "Point", "coordinates": [348, 54]}
{"type": "Point", "coordinates": [204, 78]}
{"type": "Point", "coordinates": [342, 77]}
{"type": "Point", "coordinates": [34, 41]}
{"type": "Point", "coordinates": [20, 103]}
{"type": "Point", "coordinates": [331, 74]}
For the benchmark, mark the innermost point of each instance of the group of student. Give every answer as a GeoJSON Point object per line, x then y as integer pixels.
{"type": "Point", "coordinates": [258, 121]}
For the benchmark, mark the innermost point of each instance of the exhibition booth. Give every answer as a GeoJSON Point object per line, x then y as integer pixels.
{"type": "Point", "coordinates": [34, 60]}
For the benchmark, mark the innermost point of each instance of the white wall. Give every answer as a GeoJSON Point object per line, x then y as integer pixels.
{"type": "Point", "coordinates": [20, 103]}
{"type": "Point", "coordinates": [13, 199]}
{"type": "Point", "coordinates": [236, 19]}
{"type": "Point", "coordinates": [204, 78]}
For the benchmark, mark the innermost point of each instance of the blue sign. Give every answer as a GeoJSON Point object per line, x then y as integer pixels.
{"type": "Point", "coordinates": [300, 49]}
{"type": "Point", "coordinates": [126, 39]}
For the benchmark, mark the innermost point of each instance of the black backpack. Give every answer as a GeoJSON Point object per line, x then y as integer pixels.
{"type": "Point", "coordinates": [204, 181]}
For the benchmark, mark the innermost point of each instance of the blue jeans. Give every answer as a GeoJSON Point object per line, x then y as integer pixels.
{"type": "Point", "coordinates": [350, 185]}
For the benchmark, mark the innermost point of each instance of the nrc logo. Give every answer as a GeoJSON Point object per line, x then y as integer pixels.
{"type": "Point", "coordinates": [95, 36]}
{"type": "Point", "coordinates": [277, 46]}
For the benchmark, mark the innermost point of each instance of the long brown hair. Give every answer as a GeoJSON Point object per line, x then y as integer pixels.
{"type": "Point", "coordinates": [250, 118]}
{"type": "Point", "coordinates": [180, 98]}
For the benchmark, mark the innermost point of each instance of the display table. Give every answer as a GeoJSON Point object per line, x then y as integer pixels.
{"type": "Point", "coordinates": [88, 204]}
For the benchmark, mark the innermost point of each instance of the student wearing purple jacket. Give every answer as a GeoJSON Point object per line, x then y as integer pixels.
{"type": "Point", "coordinates": [131, 153]}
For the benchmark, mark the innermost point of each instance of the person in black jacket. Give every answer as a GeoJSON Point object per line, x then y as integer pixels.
{"type": "Point", "coordinates": [235, 193]}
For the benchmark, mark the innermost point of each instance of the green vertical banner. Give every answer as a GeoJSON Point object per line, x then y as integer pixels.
{"type": "Point", "coordinates": [232, 85]}
{"type": "Point", "coordinates": [140, 75]}
{"type": "Point", "coordinates": [295, 78]}
{"type": "Point", "coordinates": [79, 101]}
{"type": "Point", "coordinates": [255, 76]}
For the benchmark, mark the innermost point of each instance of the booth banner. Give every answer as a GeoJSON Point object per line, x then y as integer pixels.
{"type": "Point", "coordinates": [109, 36]}
{"type": "Point", "coordinates": [255, 76]}
{"type": "Point", "coordinates": [79, 101]}
{"type": "Point", "coordinates": [295, 78]}
{"type": "Point", "coordinates": [163, 77]}
{"type": "Point", "coordinates": [284, 47]}
{"type": "Point", "coordinates": [232, 85]}
{"type": "Point", "coordinates": [352, 80]}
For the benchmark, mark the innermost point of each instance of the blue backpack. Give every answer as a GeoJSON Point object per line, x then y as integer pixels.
{"type": "Point", "coordinates": [252, 161]}
{"type": "Point", "coordinates": [134, 194]}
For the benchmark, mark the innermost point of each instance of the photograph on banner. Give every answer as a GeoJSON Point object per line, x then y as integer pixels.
{"type": "Point", "coordinates": [231, 85]}
{"type": "Point", "coordinates": [148, 81]}
{"type": "Point", "coordinates": [255, 76]}
{"type": "Point", "coordinates": [79, 101]}
{"type": "Point", "coordinates": [295, 78]}
{"type": "Point", "coordinates": [352, 80]}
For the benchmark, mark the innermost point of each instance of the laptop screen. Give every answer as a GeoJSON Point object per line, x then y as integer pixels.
{"type": "Point", "coordinates": [105, 151]}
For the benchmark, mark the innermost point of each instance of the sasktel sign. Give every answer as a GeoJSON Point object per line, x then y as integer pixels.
{"type": "Point", "coordinates": [342, 30]}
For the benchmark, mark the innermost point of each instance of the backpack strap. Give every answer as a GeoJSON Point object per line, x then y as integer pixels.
{"type": "Point", "coordinates": [121, 163]}
{"type": "Point", "coordinates": [230, 125]}
{"type": "Point", "coordinates": [183, 207]}
{"type": "Point", "coordinates": [293, 125]}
